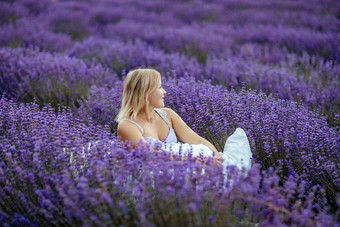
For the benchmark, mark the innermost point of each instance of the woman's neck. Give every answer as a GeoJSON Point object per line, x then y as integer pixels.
{"type": "Point", "coordinates": [147, 114]}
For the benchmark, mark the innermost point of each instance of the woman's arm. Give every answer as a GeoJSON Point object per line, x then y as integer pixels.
{"type": "Point", "coordinates": [185, 133]}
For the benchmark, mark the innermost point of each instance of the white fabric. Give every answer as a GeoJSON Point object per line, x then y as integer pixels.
{"type": "Point", "coordinates": [236, 150]}
{"type": "Point", "coordinates": [186, 149]}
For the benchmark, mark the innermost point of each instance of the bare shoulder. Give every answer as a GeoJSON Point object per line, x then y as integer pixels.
{"type": "Point", "coordinates": [124, 125]}
{"type": "Point", "coordinates": [170, 113]}
{"type": "Point", "coordinates": [128, 130]}
{"type": "Point", "coordinates": [173, 117]}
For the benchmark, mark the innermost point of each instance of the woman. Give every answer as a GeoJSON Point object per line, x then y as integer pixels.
{"type": "Point", "coordinates": [143, 119]}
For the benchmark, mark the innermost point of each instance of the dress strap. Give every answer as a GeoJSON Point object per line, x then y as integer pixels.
{"type": "Point", "coordinates": [140, 127]}
{"type": "Point", "coordinates": [162, 113]}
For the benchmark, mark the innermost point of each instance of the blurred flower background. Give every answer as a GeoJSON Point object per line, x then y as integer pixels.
{"type": "Point", "coordinates": [271, 67]}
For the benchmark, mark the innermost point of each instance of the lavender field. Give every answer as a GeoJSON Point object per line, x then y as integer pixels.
{"type": "Point", "coordinates": [269, 67]}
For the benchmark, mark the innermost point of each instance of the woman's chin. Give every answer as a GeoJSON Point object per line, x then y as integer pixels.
{"type": "Point", "coordinates": [160, 105]}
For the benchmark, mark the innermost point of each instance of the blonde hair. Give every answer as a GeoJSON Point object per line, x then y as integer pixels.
{"type": "Point", "coordinates": [138, 85]}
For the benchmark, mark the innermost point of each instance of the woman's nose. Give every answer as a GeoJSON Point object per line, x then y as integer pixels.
{"type": "Point", "coordinates": [164, 91]}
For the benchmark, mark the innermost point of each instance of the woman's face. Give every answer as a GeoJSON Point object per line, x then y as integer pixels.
{"type": "Point", "coordinates": [156, 98]}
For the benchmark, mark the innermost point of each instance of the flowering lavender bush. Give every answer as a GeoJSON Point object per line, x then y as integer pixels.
{"type": "Point", "coordinates": [51, 175]}
{"type": "Point", "coordinates": [26, 33]}
{"type": "Point", "coordinates": [10, 12]}
{"type": "Point", "coordinates": [27, 74]}
{"type": "Point", "coordinates": [305, 79]}
{"type": "Point", "coordinates": [121, 57]}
